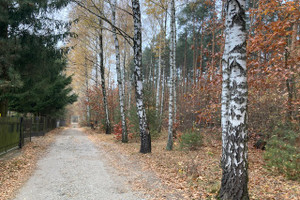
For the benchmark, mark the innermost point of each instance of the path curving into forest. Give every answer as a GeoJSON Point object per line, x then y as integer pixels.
{"type": "Point", "coordinates": [73, 169]}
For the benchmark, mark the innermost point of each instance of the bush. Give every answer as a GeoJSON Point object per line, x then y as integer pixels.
{"type": "Point", "coordinates": [283, 152]}
{"type": "Point", "coordinates": [117, 131]}
{"type": "Point", "coordinates": [191, 140]}
{"type": "Point", "coordinates": [153, 122]}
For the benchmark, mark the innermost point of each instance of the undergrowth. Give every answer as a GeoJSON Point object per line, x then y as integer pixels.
{"type": "Point", "coordinates": [283, 152]}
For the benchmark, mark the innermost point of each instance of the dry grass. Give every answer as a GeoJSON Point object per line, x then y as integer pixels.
{"type": "Point", "coordinates": [196, 174]}
{"type": "Point", "coordinates": [17, 166]}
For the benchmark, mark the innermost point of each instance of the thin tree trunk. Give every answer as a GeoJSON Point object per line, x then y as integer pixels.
{"type": "Point", "coordinates": [137, 48]}
{"type": "Point", "coordinates": [184, 70]}
{"type": "Point", "coordinates": [88, 111]}
{"type": "Point", "coordinates": [129, 95]}
{"type": "Point", "coordinates": [171, 81]}
{"type": "Point", "coordinates": [194, 53]}
{"type": "Point", "coordinates": [201, 55]}
{"type": "Point", "coordinates": [119, 75]}
{"type": "Point", "coordinates": [163, 66]}
{"type": "Point", "coordinates": [162, 100]}
{"type": "Point", "coordinates": [97, 90]}
{"type": "Point", "coordinates": [96, 66]}
{"type": "Point", "coordinates": [234, 162]}
{"type": "Point", "coordinates": [149, 82]}
{"type": "Point", "coordinates": [291, 82]}
{"type": "Point", "coordinates": [123, 71]}
{"type": "Point", "coordinates": [222, 36]}
{"type": "Point", "coordinates": [174, 79]}
{"type": "Point", "coordinates": [3, 67]}
{"type": "Point", "coordinates": [158, 76]}
{"type": "Point", "coordinates": [3, 108]}
{"type": "Point", "coordinates": [102, 75]}
{"type": "Point", "coordinates": [212, 65]}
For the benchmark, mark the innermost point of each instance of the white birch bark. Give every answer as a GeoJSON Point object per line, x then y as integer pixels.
{"type": "Point", "coordinates": [123, 69]}
{"type": "Point", "coordinates": [88, 111]}
{"type": "Point", "coordinates": [171, 80]}
{"type": "Point", "coordinates": [163, 67]}
{"type": "Point", "coordinates": [175, 74]}
{"type": "Point", "coordinates": [162, 100]}
{"type": "Point", "coordinates": [137, 48]}
{"type": "Point", "coordinates": [234, 105]}
{"type": "Point", "coordinates": [119, 74]}
{"type": "Point", "coordinates": [102, 76]}
{"type": "Point", "coordinates": [96, 69]}
{"type": "Point", "coordinates": [158, 78]}
{"type": "Point", "coordinates": [129, 92]}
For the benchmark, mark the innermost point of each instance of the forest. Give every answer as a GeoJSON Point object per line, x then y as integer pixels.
{"type": "Point", "coordinates": [227, 70]}
{"type": "Point", "coordinates": [214, 80]}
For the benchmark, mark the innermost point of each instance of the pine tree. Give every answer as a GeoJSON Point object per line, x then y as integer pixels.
{"type": "Point", "coordinates": [30, 30]}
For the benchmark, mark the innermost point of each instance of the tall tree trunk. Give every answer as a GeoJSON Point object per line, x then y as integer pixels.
{"type": "Point", "coordinates": [201, 56]}
{"type": "Point", "coordinates": [194, 53]}
{"type": "Point", "coordinates": [175, 78]}
{"type": "Point", "coordinates": [162, 100]}
{"type": "Point", "coordinates": [184, 70]}
{"type": "Point", "coordinates": [163, 66]}
{"type": "Point", "coordinates": [158, 76]}
{"type": "Point", "coordinates": [149, 82]}
{"type": "Point", "coordinates": [119, 75]}
{"type": "Point", "coordinates": [123, 71]}
{"type": "Point", "coordinates": [129, 94]}
{"type": "Point", "coordinates": [3, 108]}
{"type": "Point", "coordinates": [97, 58]}
{"type": "Point", "coordinates": [171, 81]}
{"type": "Point", "coordinates": [222, 36]}
{"type": "Point", "coordinates": [212, 64]}
{"type": "Point", "coordinates": [3, 65]}
{"type": "Point", "coordinates": [102, 75]}
{"type": "Point", "coordinates": [88, 111]}
{"type": "Point", "coordinates": [291, 81]}
{"type": "Point", "coordinates": [96, 67]}
{"type": "Point", "coordinates": [137, 48]}
{"type": "Point", "coordinates": [234, 162]}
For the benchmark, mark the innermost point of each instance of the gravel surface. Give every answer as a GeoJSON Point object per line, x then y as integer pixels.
{"type": "Point", "coordinates": [72, 169]}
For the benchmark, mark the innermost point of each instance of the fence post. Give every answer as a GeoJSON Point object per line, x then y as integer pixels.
{"type": "Point", "coordinates": [21, 141]}
{"type": "Point", "coordinates": [30, 130]}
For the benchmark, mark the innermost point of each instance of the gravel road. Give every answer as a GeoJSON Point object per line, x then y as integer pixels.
{"type": "Point", "coordinates": [71, 169]}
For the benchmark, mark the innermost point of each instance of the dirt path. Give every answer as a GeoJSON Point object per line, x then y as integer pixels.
{"type": "Point", "coordinates": [72, 169]}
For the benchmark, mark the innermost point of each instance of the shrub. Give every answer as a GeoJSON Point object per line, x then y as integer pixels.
{"type": "Point", "coordinates": [191, 140]}
{"type": "Point", "coordinates": [117, 131]}
{"type": "Point", "coordinates": [283, 152]}
{"type": "Point", "coordinates": [153, 122]}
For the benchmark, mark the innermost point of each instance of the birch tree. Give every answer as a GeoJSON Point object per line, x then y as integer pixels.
{"type": "Point", "coordinates": [120, 80]}
{"type": "Point", "coordinates": [171, 80]}
{"type": "Point", "coordinates": [138, 79]}
{"type": "Point", "coordinates": [234, 160]}
{"type": "Point", "coordinates": [102, 75]}
{"type": "Point", "coordinates": [157, 101]}
{"type": "Point", "coordinates": [174, 74]}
